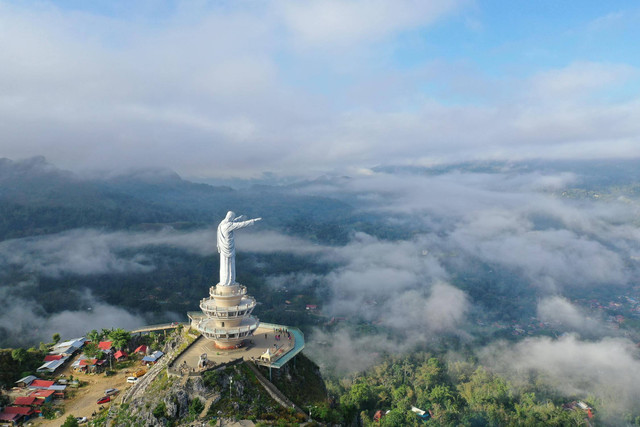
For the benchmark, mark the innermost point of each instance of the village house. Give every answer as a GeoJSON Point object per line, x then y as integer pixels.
{"type": "Point", "coordinates": [26, 381]}
{"type": "Point", "coordinates": [16, 414]}
{"type": "Point", "coordinates": [153, 358]}
{"type": "Point", "coordinates": [143, 349]}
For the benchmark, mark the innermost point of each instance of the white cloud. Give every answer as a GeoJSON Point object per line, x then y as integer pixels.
{"type": "Point", "coordinates": [90, 251]}
{"type": "Point", "coordinates": [607, 369]}
{"type": "Point", "coordinates": [343, 23]}
{"type": "Point", "coordinates": [578, 79]}
{"type": "Point", "coordinates": [239, 89]}
{"type": "Point", "coordinates": [25, 323]}
{"type": "Point", "coordinates": [565, 315]}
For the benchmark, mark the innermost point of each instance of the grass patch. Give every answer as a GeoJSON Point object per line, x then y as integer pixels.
{"type": "Point", "coordinates": [245, 396]}
{"type": "Point", "coordinates": [160, 383]}
{"type": "Point", "coordinates": [300, 382]}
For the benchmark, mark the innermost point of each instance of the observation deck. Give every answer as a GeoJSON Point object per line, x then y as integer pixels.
{"type": "Point", "coordinates": [210, 308]}
{"type": "Point", "coordinates": [227, 318]}
{"type": "Point", "coordinates": [228, 335]}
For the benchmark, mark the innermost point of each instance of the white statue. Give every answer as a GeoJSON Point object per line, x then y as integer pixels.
{"type": "Point", "coordinates": [227, 246]}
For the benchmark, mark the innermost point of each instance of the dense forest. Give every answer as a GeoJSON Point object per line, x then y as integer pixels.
{"type": "Point", "coordinates": [457, 392]}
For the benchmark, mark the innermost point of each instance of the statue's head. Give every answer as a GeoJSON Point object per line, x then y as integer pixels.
{"type": "Point", "coordinates": [230, 216]}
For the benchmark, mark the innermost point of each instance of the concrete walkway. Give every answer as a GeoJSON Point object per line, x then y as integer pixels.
{"type": "Point", "coordinates": [257, 345]}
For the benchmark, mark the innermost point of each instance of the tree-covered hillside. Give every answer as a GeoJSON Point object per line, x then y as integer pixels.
{"type": "Point", "coordinates": [453, 392]}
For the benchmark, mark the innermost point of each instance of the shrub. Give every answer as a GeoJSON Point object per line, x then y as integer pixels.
{"type": "Point", "coordinates": [160, 411]}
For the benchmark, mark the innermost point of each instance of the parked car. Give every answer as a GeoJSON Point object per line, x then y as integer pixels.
{"type": "Point", "coordinates": [105, 399]}
{"type": "Point", "coordinates": [111, 391]}
{"type": "Point", "coordinates": [132, 379]}
{"type": "Point", "coordinates": [140, 373]}
{"type": "Point", "coordinates": [81, 420]}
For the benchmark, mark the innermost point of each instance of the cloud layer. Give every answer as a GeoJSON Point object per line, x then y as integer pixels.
{"type": "Point", "coordinates": [24, 323]}
{"type": "Point", "coordinates": [90, 251]}
{"type": "Point", "coordinates": [607, 369]}
{"type": "Point", "coordinates": [243, 88]}
{"type": "Point", "coordinates": [410, 280]}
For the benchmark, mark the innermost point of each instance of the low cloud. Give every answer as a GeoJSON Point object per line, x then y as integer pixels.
{"type": "Point", "coordinates": [297, 281]}
{"type": "Point", "coordinates": [519, 222]}
{"type": "Point", "coordinates": [545, 257]}
{"type": "Point", "coordinates": [90, 251]}
{"type": "Point", "coordinates": [25, 323]}
{"type": "Point", "coordinates": [528, 229]}
{"type": "Point", "coordinates": [345, 352]}
{"type": "Point", "coordinates": [375, 271]}
{"type": "Point", "coordinates": [564, 315]}
{"type": "Point", "coordinates": [407, 320]}
{"type": "Point", "coordinates": [608, 369]}
{"type": "Point", "coordinates": [441, 311]}
{"type": "Point", "coordinates": [399, 288]}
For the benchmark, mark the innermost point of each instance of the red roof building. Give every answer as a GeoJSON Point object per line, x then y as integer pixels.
{"type": "Point", "coordinates": [27, 401]}
{"type": "Point", "coordinates": [18, 410]}
{"type": "Point", "coordinates": [120, 355]}
{"type": "Point", "coordinates": [52, 357]}
{"type": "Point", "coordinates": [88, 362]}
{"type": "Point", "coordinates": [143, 349]}
{"type": "Point", "coordinates": [41, 384]}
{"type": "Point", "coordinates": [15, 414]}
{"type": "Point", "coordinates": [104, 345]}
{"type": "Point", "coordinates": [12, 418]}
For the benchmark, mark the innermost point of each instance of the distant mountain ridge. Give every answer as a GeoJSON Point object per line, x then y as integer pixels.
{"type": "Point", "coordinates": [38, 198]}
{"type": "Point", "coordinates": [593, 173]}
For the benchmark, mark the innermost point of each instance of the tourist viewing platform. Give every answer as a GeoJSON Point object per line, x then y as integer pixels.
{"type": "Point", "coordinates": [269, 337]}
{"type": "Point", "coordinates": [245, 328]}
{"type": "Point", "coordinates": [230, 291]}
{"type": "Point", "coordinates": [210, 308]}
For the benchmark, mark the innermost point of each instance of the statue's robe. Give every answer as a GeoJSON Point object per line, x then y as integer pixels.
{"type": "Point", "coordinates": [227, 248]}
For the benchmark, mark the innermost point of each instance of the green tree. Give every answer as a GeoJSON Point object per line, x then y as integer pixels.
{"type": "Point", "coordinates": [71, 422]}
{"type": "Point", "coordinates": [429, 374]}
{"type": "Point", "coordinates": [48, 411]}
{"type": "Point", "coordinates": [154, 340]}
{"type": "Point", "coordinates": [488, 394]}
{"type": "Point", "coordinates": [360, 396]}
{"type": "Point", "coordinates": [441, 394]}
{"type": "Point", "coordinates": [397, 418]}
{"type": "Point", "coordinates": [19, 355]}
{"type": "Point", "coordinates": [196, 407]}
{"type": "Point", "coordinates": [160, 410]}
{"type": "Point", "coordinates": [94, 336]}
{"type": "Point", "coordinates": [119, 338]}
{"type": "Point", "coordinates": [104, 333]}
{"type": "Point", "coordinates": [56, 338]}
{"type": "Point", "coordinates": [91, 350]}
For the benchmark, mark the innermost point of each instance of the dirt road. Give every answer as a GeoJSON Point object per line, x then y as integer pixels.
{"type": "Point", "coordinates": [83, 404]}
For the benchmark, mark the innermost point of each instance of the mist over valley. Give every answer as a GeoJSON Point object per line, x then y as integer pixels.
{"type": "Point", "coordinates": [500, 260]}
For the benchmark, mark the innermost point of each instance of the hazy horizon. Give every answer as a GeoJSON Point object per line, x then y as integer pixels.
{"type": "Point", "coordinates": [236, 89]}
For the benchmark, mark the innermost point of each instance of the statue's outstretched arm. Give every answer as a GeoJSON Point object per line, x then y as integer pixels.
{"type": "Point", "coordinates": [242, 224]}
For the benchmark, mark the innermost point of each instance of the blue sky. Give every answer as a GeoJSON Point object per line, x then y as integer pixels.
{"type": "Point", "coordinates": [214, 89]}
